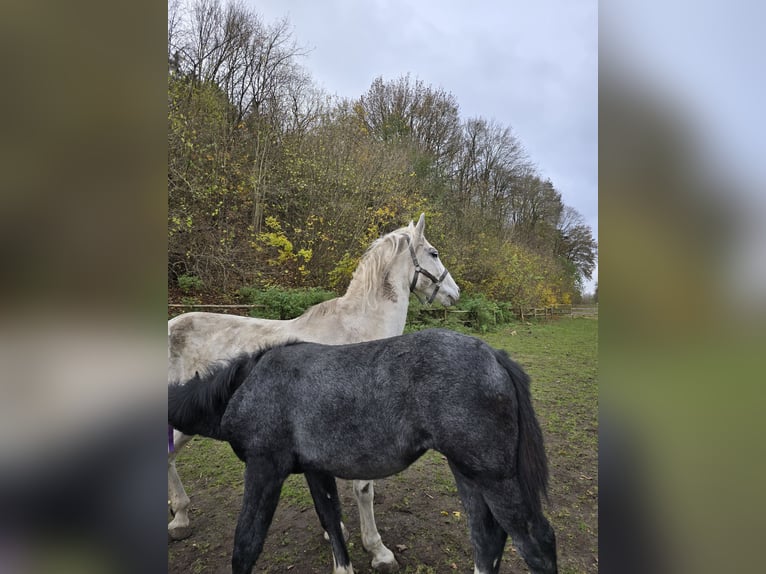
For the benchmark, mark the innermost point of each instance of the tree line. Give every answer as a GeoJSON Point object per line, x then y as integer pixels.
{"type": "Point", "coordinates": [271, 181]}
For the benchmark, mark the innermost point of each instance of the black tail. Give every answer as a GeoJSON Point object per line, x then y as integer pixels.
{"type": "Point", "coordinates": [196, 407]}
{"type": "Point", "coordinates": [530, 456]}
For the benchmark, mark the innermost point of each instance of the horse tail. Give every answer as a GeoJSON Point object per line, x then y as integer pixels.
{"type": "Point", "coordinates": [197, 406]}
{"type": "Point", "coordinates": [531, 461]}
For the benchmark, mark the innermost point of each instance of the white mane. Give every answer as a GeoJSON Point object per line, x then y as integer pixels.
{"type": "Point", "coordinates": [374, 265]}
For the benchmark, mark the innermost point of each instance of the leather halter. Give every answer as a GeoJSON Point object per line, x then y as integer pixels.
{"type": "Point", "coordinates": [419, 270]}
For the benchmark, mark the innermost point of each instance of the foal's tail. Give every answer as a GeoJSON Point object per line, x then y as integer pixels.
{"type": "Point", "coordinates": [531, 462]}
{"type": "Point", "coordinates": [197, 406]}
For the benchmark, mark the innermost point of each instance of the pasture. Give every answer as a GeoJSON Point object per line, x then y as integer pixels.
{"type": "Point", "coordinates": [418, 512]}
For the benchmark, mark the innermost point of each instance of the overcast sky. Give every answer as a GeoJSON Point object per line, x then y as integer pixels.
{"type": "Point", "coordinates": [528, 65]}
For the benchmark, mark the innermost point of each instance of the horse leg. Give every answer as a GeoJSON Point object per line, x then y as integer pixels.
{"type": "Point", "coordinates": [382, 558]}
{"type": "Point", "coordinates": [346, 533]}
{"type": "Point", "coordinates": [179, 501]}
{"type": "Point", "coordinates": [487, 535]}
{"type": "Point", "coordinates": [263, 485]}
{"type": "Point", "coordinates": [324, 491]}
{"type": "Point", "coordinates": [530, 531]}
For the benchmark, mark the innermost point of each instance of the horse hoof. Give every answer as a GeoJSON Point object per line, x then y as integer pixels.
{"type": "Point", "coordinates": [179, 532]}
{"type": "Point", "coordinates": [386, 567]}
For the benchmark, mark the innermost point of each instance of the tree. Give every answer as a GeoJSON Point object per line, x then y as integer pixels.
{"type": "Point", "coordinates": [273, 182]}
{"type": "Point", "coordinates": [486, 170]}
{"type": "Point", "coordinates": [407, 110]}
{"type": "Point", "coordinates": [575, 242]}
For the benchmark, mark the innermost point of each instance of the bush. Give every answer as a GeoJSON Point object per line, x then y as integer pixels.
{"type": "Point", "coordinates": [482, 313]}
{"type": "Point", "coordinates": [479, 314]}
{"type": "Point", "coordinates": [281, 303]}
{"type": "Point", "coordinates": [422, 316]}
{"type": "Point", "coordinates": [505, 313]}
{"type": "Point", "coordinates": [190, 301]}
{"type": "Point", "coordinates": [190, 283]}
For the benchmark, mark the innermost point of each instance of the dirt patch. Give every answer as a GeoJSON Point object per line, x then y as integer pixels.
{"type": "Point", "coordinates": [418, 512]}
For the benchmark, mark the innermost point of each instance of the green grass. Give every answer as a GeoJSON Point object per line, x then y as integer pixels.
{"type": "Point", "coordinates": [560, 357]}
{"type": "Point", "coordinates": [295, 491]}
{"type": "Point", "coordinates": [212, 462]}
{"type": "Point", "coordinates": [215, 464]}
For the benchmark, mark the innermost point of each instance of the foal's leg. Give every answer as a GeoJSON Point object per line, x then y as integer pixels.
{"type": "Point", "coordinates": [531, 532]}
{"type": "Point", "coordinates": [487, 535]}
{"type": "Point", "coordinates": [263, 485]}
{"type": "Point", "coordinates": [179, 501]}
{"type": "Point", "coordinates": [324, 491]}
{"type": "Point", "coordinates": [382, 558]}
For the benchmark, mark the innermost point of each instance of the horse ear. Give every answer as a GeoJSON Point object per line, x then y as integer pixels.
{"type": "Point", "coordinates": [420, 227]}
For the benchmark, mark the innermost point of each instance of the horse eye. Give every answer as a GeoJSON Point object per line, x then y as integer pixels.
{"type": "Point", "coordinates": [434, 254]}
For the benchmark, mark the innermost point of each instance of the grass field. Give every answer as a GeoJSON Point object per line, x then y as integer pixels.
{"type": "Point", "coordinates": [418, 512]}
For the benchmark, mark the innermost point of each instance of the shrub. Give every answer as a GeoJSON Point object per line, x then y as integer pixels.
{"type": "Point", "coordinates": [281, 303]}
{"type": "Point", "coordinates": [482, 313]}
{"type": "Point", "coordinates": [478, 314]}
{"type": "Point", "coordinates": [190, 283]}
{"type": "Point", "coordinates": [190, 301]}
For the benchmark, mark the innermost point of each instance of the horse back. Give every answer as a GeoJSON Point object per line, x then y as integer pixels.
{"type": "Point", "coordinates": [197, 341]}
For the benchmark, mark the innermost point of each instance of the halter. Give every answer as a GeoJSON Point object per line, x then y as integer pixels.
{"type": "Point", "coordinates": [418, 269]}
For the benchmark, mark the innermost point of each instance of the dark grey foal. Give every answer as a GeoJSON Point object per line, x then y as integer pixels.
{"type": "Point", "coordinates": [367, 411]}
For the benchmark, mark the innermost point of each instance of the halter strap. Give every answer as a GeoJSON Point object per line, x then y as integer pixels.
{"type": "Point", "coordinates": [419, 270]}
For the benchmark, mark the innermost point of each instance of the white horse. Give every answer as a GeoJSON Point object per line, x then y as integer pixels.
{"type": "Point", "coordinates": [374, 307]}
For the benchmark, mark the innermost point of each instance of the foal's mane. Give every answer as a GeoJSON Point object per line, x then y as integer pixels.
{"type": "Point", "coordinates": [252, 357]}
{"type": "Point", "coordinates": [197, 405]}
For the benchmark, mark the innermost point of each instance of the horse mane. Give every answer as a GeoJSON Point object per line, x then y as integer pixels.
{"type": "Point", "coordinates": [232, 364]}
{"type": "Point", "coordinates": [197, 405]}
{"type": "Point", "coordinates": [374, 265]}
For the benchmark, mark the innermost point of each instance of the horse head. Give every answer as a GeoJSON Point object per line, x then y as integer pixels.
{"type": "Point", "coordinates": [430, 279]}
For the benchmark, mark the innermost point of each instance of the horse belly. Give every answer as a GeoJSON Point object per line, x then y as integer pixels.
{"type": "Point", "coordinates": [372, 466]}
{"type": "Point", "coordinates": [357, 459]}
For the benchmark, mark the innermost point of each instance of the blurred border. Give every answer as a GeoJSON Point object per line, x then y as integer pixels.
{"type": "Point", "coordinates": [82, 338]}
{"type": "Point", "coordinates": [682, 286]}
{"type": "Point", "coordinates": [82, 335]}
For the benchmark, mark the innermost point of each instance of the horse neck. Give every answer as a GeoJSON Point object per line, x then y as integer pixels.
{"type": "Point", "coordinates": [382, 309]}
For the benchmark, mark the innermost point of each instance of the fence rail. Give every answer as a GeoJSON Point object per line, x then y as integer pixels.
{"type": "Point", "coordinates": [522, 314]}
{"type": "Point", "coordinates": [443, 312]}
{"type": "Point", "coordinates": [205, 306]}
{"type": "Point", "coordinates": [585, 311]}
{"type": "Point", "coordinates": [557, 311]}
